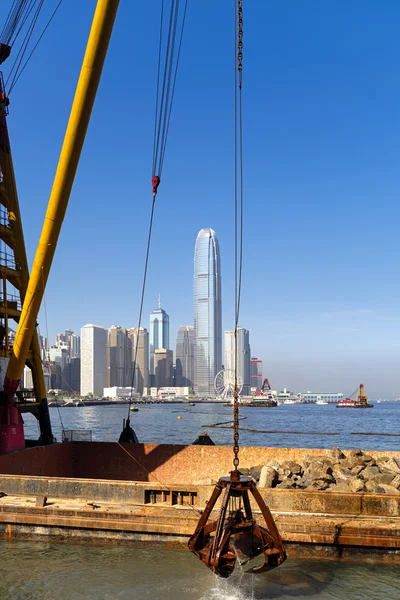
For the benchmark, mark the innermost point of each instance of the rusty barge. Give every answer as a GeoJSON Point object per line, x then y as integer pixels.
{"type": "Point", "coordinates": [96, 491]}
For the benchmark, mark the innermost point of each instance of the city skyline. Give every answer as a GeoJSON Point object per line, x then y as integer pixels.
{"type": "Point", "coordinates": [330, 165]}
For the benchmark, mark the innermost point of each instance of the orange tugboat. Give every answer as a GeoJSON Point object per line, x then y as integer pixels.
{"type": "Point", "coordinates": [360, 401]}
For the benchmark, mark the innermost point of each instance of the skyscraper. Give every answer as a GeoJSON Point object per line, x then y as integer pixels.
{"type": "Point", "coordinates": [243, 356]}
{"type": "Point", "coordinates": [256, 379]}
{"type": "Point", "coordinates": [207, 312]}
{"type": "Point", "coordinates": [184, 357]}
{"type": "Point", "coordinates": [93, 360]}
{"type": "Point", "coordinates": [74, 346]}
{"type": "Point", "coordinates": [142, 357]}
{"type": "Point", "coordinates": [159, 333]}
{"type": "Point", "coordinates": [163, 364]}
{"type": "Point", "coordinates": [119, 357]}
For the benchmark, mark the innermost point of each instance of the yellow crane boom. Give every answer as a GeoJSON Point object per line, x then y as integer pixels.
{"type": "Point", "coordinates": [85, 94]}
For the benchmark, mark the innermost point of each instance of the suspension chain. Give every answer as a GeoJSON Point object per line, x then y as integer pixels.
{"type": "Point", "coordinates": [236, 391]}
{"type": "Point", "coordinates": [240, 41]}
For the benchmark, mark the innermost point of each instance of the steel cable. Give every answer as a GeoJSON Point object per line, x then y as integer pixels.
{"type": "Point", "coordinates": [163, 108]}
{"type": "Point", "coordinates": [22, 69]}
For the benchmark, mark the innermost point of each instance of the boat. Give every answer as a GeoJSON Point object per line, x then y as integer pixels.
{"type": "Point", "coordinates": [264, 398]}
{"type": "Point", "coordinates": [262, 403]}
{"type": "Point", "coordinates": [192, 404]}
{"type": "Point", "coordinates": [134, 409]}
{"type": "Point", "coordinates": [322, 402]}
{"type": "Point", "coordinates": [360, 401]}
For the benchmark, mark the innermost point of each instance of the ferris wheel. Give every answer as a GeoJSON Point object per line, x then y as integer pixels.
{"type": "Point", "coordinates": [224, 384]}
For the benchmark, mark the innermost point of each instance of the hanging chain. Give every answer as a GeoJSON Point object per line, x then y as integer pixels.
{"type": "Point", "coordinates": [240, 41]}
{"type": "Point", "coordinates": [235, 473]}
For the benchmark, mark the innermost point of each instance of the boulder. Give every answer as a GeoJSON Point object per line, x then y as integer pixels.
{"type": "Point", "coordinates": [301, 483]}
{"type": "Point", "coordinates": [396, 482]}
{"type": "Point", "coordinates": [357, 470]}
{"type": "Point", "coordinates": [292, 466]}
{"type": "Point", "coordinates": [374, 488]}
{"type": "Point", "coordinates": [336, 455]}
{"type": "Point", "coordinates": [286, 484]}
{"type": "Point", "coordinates": [323, 465]}
{"type": "Point", "coordinates": [390, 489]}
{"type": "Point", "coordinates": [340, 486]}
{"type": "Point", "coordinates": [392, 465]}
{"type": "Point", "coordinates": [353, 461]}
{"type": "Point", "coordinates": [308, 459]}
{"type": "Point", "coordinates": [340, 473]}
{"type": "Point", "coordinates": [268, 477]}
{"type": "Point", "coordinates": [318, 485]}
{"type": "Point", "coordinates": [356, 452]}
{"type": "Point", "coordinates": [383, 478]}
{"type": "Point", "coordinates": [369, 459]}
{"type": "Point", "coordinates": [356, 485]}
{"type": "Point", "coordinates": [275, 464]}
{"type": "Point", "coordinates": [370, 473]}
{"type": "Point", "coordinates": [255, 472]}
{"type": "Point", "coordinates": [314, 478]}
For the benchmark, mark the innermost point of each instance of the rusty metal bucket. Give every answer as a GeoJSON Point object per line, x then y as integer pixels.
{"type": "Point", "coordinates": [235, 535]}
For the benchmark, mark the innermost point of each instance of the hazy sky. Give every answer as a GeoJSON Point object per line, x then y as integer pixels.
{"type": "Point", "coordinates": [322, 179]}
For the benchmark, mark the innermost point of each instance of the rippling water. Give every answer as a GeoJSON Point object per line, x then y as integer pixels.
{"type": "Point", "coordinates": [159, 423]}
{"type": "Point", "coordinates": [48, 571]}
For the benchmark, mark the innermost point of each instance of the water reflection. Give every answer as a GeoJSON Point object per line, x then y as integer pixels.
{"type": "Point", "coordinates": [44, 571]}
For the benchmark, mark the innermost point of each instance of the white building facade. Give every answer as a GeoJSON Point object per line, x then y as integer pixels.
{"type": "Point", "coordinates": [159, 333]}
{"type": "Point", "coordinates": [93, 360]}
{"type": "Point", "coordinates": [243, 356]}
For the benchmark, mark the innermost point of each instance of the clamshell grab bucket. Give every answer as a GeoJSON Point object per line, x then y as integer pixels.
{"type": "Point", "coordinates": [235, 535]}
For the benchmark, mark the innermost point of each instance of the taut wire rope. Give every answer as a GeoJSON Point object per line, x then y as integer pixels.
{"type": "Point", "coordinates": [167, 73]}
{"type": "Point", "coordinates": [22, 19]}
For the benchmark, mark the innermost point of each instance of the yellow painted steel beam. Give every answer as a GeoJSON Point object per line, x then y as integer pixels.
{"type": "Point", "coordinates": [9, 198]}
{"type": "Point", "coordinates": [85, 94]}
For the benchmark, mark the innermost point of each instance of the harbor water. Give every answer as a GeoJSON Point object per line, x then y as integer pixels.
{"type": "Point", "coordinates": [59, 571]}
{"type": "Point", "coordinates": [297, 425]}
{"type": "Point", "coordinates": [41, 570]}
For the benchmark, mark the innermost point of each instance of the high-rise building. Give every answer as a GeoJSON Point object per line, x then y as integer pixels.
{"type": "Point", "coordinates": [74, 345]}
{"type": "Point", "coordinates": [43, 348]}
{"type": "Point", "coordinates": [75, 373]}
{"type": "Point", "coordinates": [164, 367]}
{"type": "Point", "coordinates": [243, 356]}
{"type": "Point", "coordinates": [119, 357]}
{"type": "Point", "coordinates": [207, 312]}
{"type": "Point", "coordinates": [141, 379]}
{"type": "Point", "coordinates": [184, 358]}
{"type": "Point", "coordinates": [93, 360]}
{"type": "Point", "coordinates": [256, 377]}
{"type": "Point", "coordinates": [159, 333]}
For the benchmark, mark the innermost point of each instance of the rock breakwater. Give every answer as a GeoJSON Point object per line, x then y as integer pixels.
{"type": "Point", "coordinates": [336, 472]}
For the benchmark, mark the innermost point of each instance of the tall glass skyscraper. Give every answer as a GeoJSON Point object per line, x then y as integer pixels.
{"type": "Point", "coordinates": [159, 332]}
{"type": "Point", "coordinates": [207, 312]}
{"type": "Point", "coordinates": [184, 357]}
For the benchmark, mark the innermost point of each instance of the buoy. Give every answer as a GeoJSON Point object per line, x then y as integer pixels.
{"type": "Point", "coordinates": [179, 417]}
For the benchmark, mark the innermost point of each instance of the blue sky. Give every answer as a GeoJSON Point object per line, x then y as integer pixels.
{"type": "Point", "coordinates": [322, 181]}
